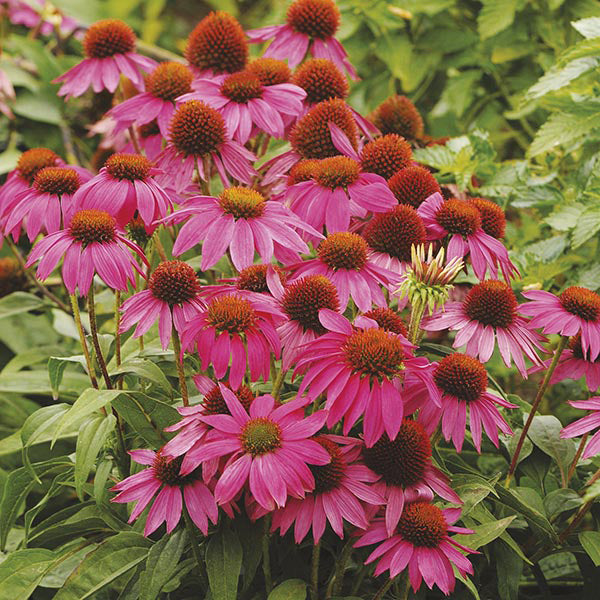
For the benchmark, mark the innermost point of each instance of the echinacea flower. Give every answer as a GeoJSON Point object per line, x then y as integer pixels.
{"type": "Point", "coordinates": [124, 186]}
{"type": "Point", "coordinates": [198, 131]}
{"type": "Point", "coordinates": [109, 53]}
{"type": "Point", "coordinates": [270, 71]}
{"type": "Point", "coordinates": [242, 221]}
{"type": "Point", "coordinates": [388, 319]}
{"type": "Point", "coordinates": [493, 219]}
{"type": "Point", "coordinates": [91, 243]}
{"type": "Point", "coordinates": [310, 27]}
{"type": "Point", "coordinates": [412, 185]}
{"type": "Point", "coordinates": [421, 543]}
{"type": "Point", "coordinates": [489, 313]}
{"type": "Point", "coordinates": [386, 155]}
{"type": "Point", "coordinates": [168, 81]}
{"type": "Point", "coordinates": [237, 329]}
{"type": "Point", "coordinates": [585, 425]}
{"type": "Point", "coordinates": [12, 276]}
{"type": "Point", "coordinates": [576, 310]}
{"type": "Point", "coordinates": [344, 258]}
{"type": "Point", "coordinates": [174, 490]}
{"type": "Point", "coordinates": [404, 471]}
{"type": "Point", "coordinates": [44, 20]}
{"type": "Point", "coordinates": [397, 114]}
{"type": "Point", "coordinates": [171, 298]}
{"type": "Point", "coordinates": [270, 449]}
{"type": "Point", "coordinates": [7, 94]}
{"type": "Point", "coordinates": [341, 488]}
{"type": "Point", "coordinates": [462, 221]}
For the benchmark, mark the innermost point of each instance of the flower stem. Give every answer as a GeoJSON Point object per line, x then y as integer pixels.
{"type": "Point", "coordinates": [84, 346]}
{"type": "Point", "coordinates": [135, 141]}
{"type": "Point", "coordinates": [194, 540]}
{"type": "Point", "coordinates": [180, 369]}
{"type": "Point", "coordinates": [159, 247]}
{"type": "Point", "coordinates": [95, 340]}
{"type": "Point", "coordinates": [278, 382]}
{"type": "Point", "coordinates": [205, 183]}
{"type": "Point", "coordinates": [117, 334]}
{"type": "Point", "coordinates": [314, 572]}
{"type": "Point", "coordinates": [335, 587]}
{"type": "Point", "coordinates": [383, 589]}
{"type": "Point", "coordinates": [266, 556]}
{"type": "Point", "coordinates": [414, 326]}
{"type": "Point", "coordinates": [538, 398]}
{"type": "Point", "coordinates": [576, 458]}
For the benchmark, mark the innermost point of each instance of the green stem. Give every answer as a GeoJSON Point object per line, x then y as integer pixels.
{"type": "Point", "coordinates": [383, 589]}
{"type": "Point", "coordinates": [266, 555]}
{"type": "Point", "coordinates": [278, 382]}
{"type": "Point", "coordinates": [314, 572]}
{"type": "Point", "coordinates": [95, 340]}
{"type": "Point", "coordinates": [195, 543]}
{"type": "Point", "coordinates": [414, 327]}
{"type": "Point", "coordinates": [335, 587]}
{"type": "Point", "coordinates": [117, 334]}
{"type": "Point", "coordinates": [84, 346]}
{"type": "Point", "coordinates": [576, 458]}
{"type": "Point", "coordinates": [180, 369]}
{"type": "Point", "coordinates": [159, 247]}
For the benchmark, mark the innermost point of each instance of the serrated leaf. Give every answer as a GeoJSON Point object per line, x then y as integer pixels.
{"type": "Point", "coordinates": [587, 226]}
{"type": "Point", "coordinates": [495, 16]}
{"type": "Point", "coordinates": [557, 77]}
{"type": "Point", "coordinates": [561, 129]}
{"type": "Point", "coordinates": [590, 540]}
{"type": "Point", "coordinates": [223, 564]}
{"type": "Point", "coordinates": [21, 572]}
{"type": "Point", "coordinates": [565, 217]}
{"type": "Point", "coordinates": [19, 302]}
{"type": "Point", "coordinates": [588, 28]}
{"type": "Point", "coordinates": [292, 589]}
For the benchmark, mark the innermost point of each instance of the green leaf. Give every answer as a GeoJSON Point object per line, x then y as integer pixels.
{"type": "Point", "coordinates": [592, 492]}
{"type": "Point", "coordinates": [557, 77]}
{"type": "Point", "coordinates": [509, 567]}
{"type": "Point", "coordinates": [495, 16]}
{"type": "Point", "coordinates": [587, 226]}
{"type": "Point", "coordinates": [21, 572]}
{"type": "Point", "coordinates": [472, 489]}
{"type": "Point", "coordinates": [292, 589]}
{"type": "Point", "coordinates": [112, 558]}
{"type": "Point", "coordinates": [56, 369]}
{"type": "Point", "coordinates": [561, 129]}
{"type": "Point", "coordinates": [146, 369]}
{"type": "Point", "coordinates": [41, 107]}
{"type": "Point", "coordinates": [588, 28]}
{"type": "Point", "coordinates": [590, 540]}
{"type": "Point", "coordinates": [565, 217]}
{"type": "Point", "coordinates": [488, 532]}
{"type": "Point", "coordinates": [223, 564]}
{"type": "Point", "coordinates": [19, 302]}
{"type": "Point", "coordinates": [561, 500]}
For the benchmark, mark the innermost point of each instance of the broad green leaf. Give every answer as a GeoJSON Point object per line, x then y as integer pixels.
{"type": "Point", "coordinates": [146, 369]}
{"type": "Point", "coordinates": [509, 567]}
{"type": "Point", "coordinates": [250, 535]}
{"type": "Point", "coordinates": [565, 217]}
{"type": "Point", "coordinates": [21, 572]}
{"type": "Point", "coordinates": [495, 16]}
{"type": "Point", "coordinates": [590, 540]}
{"type": "Point", "coordinates": [42, 108]}
{"type": "Point", "coordinates": [561, 500]}
{"type": "Point", "coordinates": [468, 583]}
{"type": "Point", "coordinates": [587, 226]}
{"type": "Point", "coordinates": [560, 129]}
{"type": "Point", "coordinates": [557, 77]}
{"type": "Point", "coordinates": [223, 564]}
{"type": "Point", "coordinates": [19, 302]}
{"type": "Point", "coordinates": [588, 28]}
{"type": "Point", "coordinates": [292, 589]}
{"type": "Point", "coordinates": [56, 369]}
{"type": "Point", "coordinates": [592, 492]}
{"type": "Point", "coordinates": [487, 532]}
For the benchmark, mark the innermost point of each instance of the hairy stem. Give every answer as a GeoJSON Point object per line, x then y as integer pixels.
{"type": "Point", "coordinates": [180, 369]}
{"type": "Point", "coordinates": [266, 555]}
{"type": "Point", "coordinates": [383, 589]}
{"type": "Point", "coordinates": [576, 458]}
{"type": "Point", "coordinates": [335, 588]}
{"type": "Point", "coordinates": [117, 334]}
{"type": "Point", "coordinates": [84, 346]}
{"type": "Point", "coordinates": [314, 572]}
{"type": "Point", "coordinates": [96, 340]}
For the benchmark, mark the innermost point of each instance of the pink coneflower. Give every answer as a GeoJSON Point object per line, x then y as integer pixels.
{"type": "Point", "coordinates": [404, 470]}
{"type": "Point", "coordinates": [462, 221]}
{"type": "Point", "coordinates": [175, 489]}
{"type": "Point", "coordinates": [341, 487]}
{"type": "Point", "coordinates": [310, 27]}
{"type": "Point", "coordinates": [488, 313]}
{"type": "Point", "coordinates": [576, 310]}
{"type": "Point", "coordinates": [270, 448]}
{"type": "Point", "coordinates": [198, 131]}
{"type": "Point", "coordinates": [397, 114]}
{"type": "Point", "coordinates": [123, 187]}
{"type": "Point", "coordinates": [91, 243]}
{"type": "Point", "coordinates": [168, 81]}
{"type": "Point", "coordinates": [109, 53]}
{"type": "Point", "coordinates": [363, 371]}
{"type": "Point", "coordinates": [585, 425]}
{"type": "Point", "coordinates": [421, 543]}
{"type": "Point", "coordinates": [344, 258]}
{"type": "Point", "coordinates": [7, 95]}
{"type": "Point", "coordinates": [236, 329]}
{"type": "Point", "coordinates": [242, 221]}
{"type": "Point", "coordinates": [412, 185]}
{"type": "Point", "coordinates": [24, 13]}
{"type": "Point", "coordinates": [171, 298]}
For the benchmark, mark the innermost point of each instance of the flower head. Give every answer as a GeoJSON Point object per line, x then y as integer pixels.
{"type": "Point", "coordinates": [12, 276]}
{"type": "Point", "coordinates": [321, 80]}
{"type": "Point", "coordinates": [586, 425]}
{"type": "Point", "coordinates": [386, 155]}
{"type": "Point", "coordinates": [493, 220]}
{"type": "Point", "coordinates": [270, 71]}
{"type": "Point", "coordinates": [398, 115]}
{"type": "Point", "coordinates": [413, 185]}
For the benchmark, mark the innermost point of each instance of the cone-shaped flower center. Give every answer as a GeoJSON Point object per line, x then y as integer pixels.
{"type": "Point", "coordinates": [303, 170]}
{"type": "Point", "coordinates": [231, 314]}
{"type": "Point", "coordinates": [315, 18]}
{"type": "Point", "coordinates": [34, 160]}
{"type": "Point", "coordinates": [398, 115]}
{"type": "Point", "coordinates": [107, 38]}
{"type": "Point", "coordinates": [242, 87]}
{"type": "Point", "coordinates": [493, 220]}
{"type": "Point", "coordinates": [343, 250]}
{"type": "Point", "coordinates": [321, 80]}
{"type": "Point", "coordinates": [197, 129]}
{"type": "Point", "coordinates": [12, 276]}
{"type": "Point", "coordinates": [328, 477]}
{"type": "Point", "coordinates": [311, 137]}
{"type": "Point", "coordinates": [374, 352]}
{"type": "Point", "coordinates": [337, 171]}
{"type": "Point", "coordinates": [457, 216]}
{"type": "Point", "coordinates": [491, 303]}
{"type": "Point", "coordinates": [403, 460]}
{"type": "Point", "coordinates": [581, 302]}
{"type": "Point", "coordinates": [394, 232]}
{"type": "Point", "coordinates": [214, 403]}
{"type": "Point", "coordinates": [461, 376]}
{"type": "Point", "coordinates": [304, 298]}
{"type": "Point", "coordinates": [166, 470]}
{"type": "Point", "coordinates": [254, 278]}
{"type": "Point", "coordinates": [128, 166]}
{"type": "Point", "coordinates": [174, 282]}
{"type": "Point", "coordinates": [388, 319]}
{"type": "Point", "coordinates": [218, 42]}
{"type": "Point", "coordinates": [413, 185]}
{"type": "Point", "coordinates": [423, 525]}
{"type": "Point", "coordinates": [260, 435]}
{"type": "Point", "coordinates": [386, 155]}
{"type": "Point", "coordinates": [242, 203]}
{"type": "Point", "coordinates": [270, 71]}
{"type": "Point", "coordinates": [169, 80]}
{"type": "Point", "coordinates": [92, 226]}
{"type": "Point", "coordinates": [57, 180]}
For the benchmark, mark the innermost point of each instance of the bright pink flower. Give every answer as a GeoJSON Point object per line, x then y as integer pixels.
{"type": "Point", "coordinates": [310, 27]}
{"type": "Point", "coordinates": [585, 425]}
{"type": "Point", "coordinates": [109, 49]}
{"type": "Point", "coordinates": [489, 312]}
{"type": "Point", "coordinates": [576, 310]}
{"type": "Point", "coordinates": [270, 448]}
{"type": "Point", "coordinates": [23, 13]}
{"type": "Point", "coordinates": [236, 329]}
{"type": "Point", "coordinates": [421, 543]}
{"type": "Point", "coordinates": [164, 474]}
{"type": "Point", "coordinates": [364, 370]}
{"type": "Point", "coordinates": [341, 487]}
{"type": "Point", "coordinates": [91, 243]}
{"type": "Point", "coordinates": [462, 220]}
{"type": "Point", "coordinates": [171, 298]}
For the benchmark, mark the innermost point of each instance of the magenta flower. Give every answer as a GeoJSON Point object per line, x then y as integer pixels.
{"type": "Point", "coordinates": [421, 543]}
{"type": "Point", "coordinates": [341, 488]}
{"type": "Point", "coordinates": [91, 243]}
{"type": "Point", "coordinates": [488, 313]}
{"type": "Point", "coordinates": [270, 449]}
{"type": "Point", "coordinates": [585, 425]}
{"type": "Point", "coordinates": [310, 27]}
{"type": "Point", "coordinates": [171, 298]}
{"type": "Point", "coordinates": [576, 310]}
{"type": "Point", "coordinates": [109, 53]}
{"type": "Point", "coordinates": [175, 489]}
{"type": "Point", "coordinates": [242, 221]}
{"type": "Point", "coordinates": [123, 187]}
{"type": "Point", "coordinates": [23, 13]}
{"type": "Point", "coordinates": [462, 220]}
